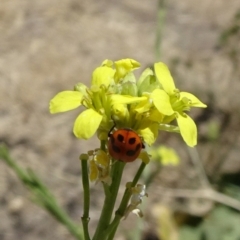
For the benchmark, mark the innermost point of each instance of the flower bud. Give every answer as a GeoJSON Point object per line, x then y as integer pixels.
{"type": "Point", "coordinates": [120, 112]}
{"type": "Point", "coordinates": [129, 88]}
{"type": "Point", "coordinates": [148, 84]}
{"type": "Point", "coordinates": [102, 135]}
{"type": "Point", "coordinates": [80, 87]}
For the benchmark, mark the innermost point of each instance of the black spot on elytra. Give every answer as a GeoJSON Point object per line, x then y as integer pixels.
{"type": "Point", "coordinates": [138, 147]}
{"type": "Point", "coordinates": [131, 153]}
{"type": "Point", "coordinates": [120, 137]}
{"type": "Point", "coordinates": [116, 148]}
{"type": "Point", "coordinates": [132, 140]}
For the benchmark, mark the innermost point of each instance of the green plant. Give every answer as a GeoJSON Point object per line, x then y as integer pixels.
{"type": "Point", "coordinates": [116, 99]}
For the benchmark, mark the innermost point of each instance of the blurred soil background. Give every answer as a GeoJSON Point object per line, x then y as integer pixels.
{"type": "Point", "coordinates": [48, 46]}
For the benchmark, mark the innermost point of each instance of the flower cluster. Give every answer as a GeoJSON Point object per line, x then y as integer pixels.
{"type": "Point", "coordinates": [126, 114]}
{"type": "Point", "coordinates": [146, 105]}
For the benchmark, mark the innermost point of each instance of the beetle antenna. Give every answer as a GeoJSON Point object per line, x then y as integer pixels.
{"type": "Point", "coordinates": [114, 125]}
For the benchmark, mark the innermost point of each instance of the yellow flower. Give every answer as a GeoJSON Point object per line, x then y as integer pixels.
{"type": "Point", "coordinates": [116, 98]}
{"type": "Point", "coordinates": [96, 99]}
{"type": "Point", "coordinates": [180, 102]}
{"type": "Point", "coordinates": [135, 116]}
{"type": "Point", "coordinates": [166, 155]}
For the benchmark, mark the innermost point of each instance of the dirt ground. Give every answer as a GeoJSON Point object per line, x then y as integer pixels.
{"type": "Point", "coordinates": [47, 46]}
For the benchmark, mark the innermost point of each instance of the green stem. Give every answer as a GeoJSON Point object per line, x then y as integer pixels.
{"type": "Point", "coordinates": [160, 23]}
{"type": "Point", "coordinates": [111, 230]}
{"type": "Point", "coordinates": [86, 198]}
{"type": "Point", "coordinates": [110, 200]}
{"type": "Point", "coordinates": [62, 217]}
{"type": "Point", "coordinates": [103, 145]}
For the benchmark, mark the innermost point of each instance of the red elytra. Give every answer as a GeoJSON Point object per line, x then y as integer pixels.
{"type": "Point", "coordinates": [124, 144]}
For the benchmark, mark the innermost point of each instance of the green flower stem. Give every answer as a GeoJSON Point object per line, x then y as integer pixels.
{"type": "Point", "coordinates": [103, 145]}
{"type": "Point", "coordinates": [110, 200]}
{"type": "Point", "coordinates": [111, 230]}
{"type": "Point", "coordinates": [150, 176]}
{"type": "Point", "coordinates": [160, 24]}
{"type": "Point", "coordinates": [42, 196]}
{"type": "Point", "coordinates": [86, 198]}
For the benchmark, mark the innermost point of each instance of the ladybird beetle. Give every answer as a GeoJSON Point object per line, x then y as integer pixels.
{"type": "Point", "coordinates": [124, 144]}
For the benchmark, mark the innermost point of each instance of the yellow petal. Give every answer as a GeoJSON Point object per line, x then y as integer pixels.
{"type": "Point", "coordinates": [162, 102]}
{"type": "Point", "coordinates": [87, 124]}
{"type": "Point", "coordinates": [143, 106]}
{"type": "Point", "coordinates": [102, 159]}
{"type": "Point", "coordinates": [65, 101]}
{"type": "Point", "coordinates": [188, 129]}
{"type": "Point", "coordinates": [149, 134]}
{"type": "Point", "coordinates": [144, 156]}
{"type": "Point", "coordinates": [125, 99]}
{"type": "Point", "coordinates": [93, 175]}
{"type": "Point", "coordinates": [164, 77]}
{"type": "Point", "coordinates": [102, 76]}
{"type": "Point", "coordinates": [155, 115]}
{"type": "Point", "coordinates": [120, 111]}
{"type": "Point", "coordinates": [195, 102]}
{"type": "Point", "coordinates": [124, 66]}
